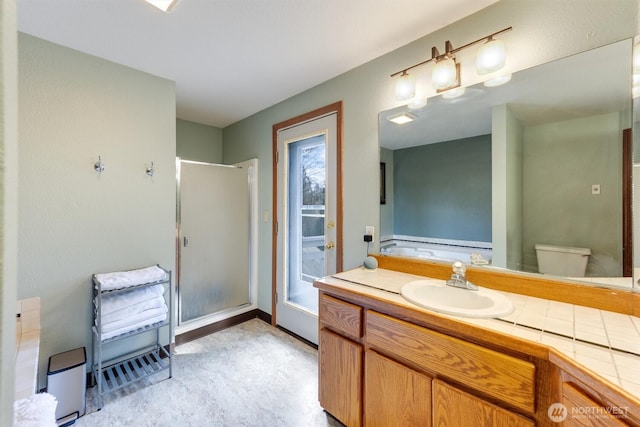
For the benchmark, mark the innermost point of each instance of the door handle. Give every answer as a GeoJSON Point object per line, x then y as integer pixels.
{"type": "Point", "coordinates": [330, 245]}
{"type": "Point", "coordinates": [185, 241]}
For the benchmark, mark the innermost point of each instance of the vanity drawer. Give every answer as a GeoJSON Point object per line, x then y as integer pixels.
{"type": "Point", "coordinates": [495, 374]}
{"type": "Point", "coordinates": [341, 316]}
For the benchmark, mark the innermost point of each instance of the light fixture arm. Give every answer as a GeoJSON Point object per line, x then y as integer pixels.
{"type": "Point", "coordinates": [449, 51]}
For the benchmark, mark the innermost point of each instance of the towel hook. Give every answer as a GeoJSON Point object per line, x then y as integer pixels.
{"type": "Point", "coordinates": [151, 170]}
{"type": "Point", "coordinates": [99, 166]}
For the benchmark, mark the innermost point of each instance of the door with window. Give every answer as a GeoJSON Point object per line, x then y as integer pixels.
{"type": "Point", "coordinates": [307, 216]}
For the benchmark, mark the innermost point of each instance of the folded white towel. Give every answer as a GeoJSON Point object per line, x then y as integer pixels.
{"type": "Point", "coordinates": [134, 319]}
{"type": "Point", "coordinates": [132, 310]}
{"type": "Point", "coordinates": [150, 321]}
{"type": "Point", "coordinates": [37, 410]}
{"type": "Point", "coordinates": [114, 302]}
{"type": "Point", "coordinates": [126, 279]}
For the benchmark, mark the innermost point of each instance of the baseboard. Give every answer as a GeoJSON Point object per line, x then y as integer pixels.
{"type": "Point", "coordinates": [222, 324]}
{"type": "Point", "coordinates": [298, 337]}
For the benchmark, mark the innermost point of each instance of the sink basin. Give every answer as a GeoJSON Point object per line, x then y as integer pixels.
{"type": "Point", "coordinates": [434, 294]}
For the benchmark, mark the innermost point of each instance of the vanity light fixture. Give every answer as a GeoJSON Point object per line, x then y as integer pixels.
{"type": "Point", "coordinates": [491, 56]}
{"type": "Point", "coordinates": [163, 5]}
{"type": "Point", "coordinates": [402, 118]}
{"type": "Point", "coordinates": [405, 87]}
{"type": "Point", "coordinates": [446, 71]}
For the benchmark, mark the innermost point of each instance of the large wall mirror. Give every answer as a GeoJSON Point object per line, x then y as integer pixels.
{"type": "Point", "coordinates": [535, 163]}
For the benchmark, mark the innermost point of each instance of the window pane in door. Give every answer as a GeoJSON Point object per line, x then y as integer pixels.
{"type": "Point", "coordinates": [307, 183]}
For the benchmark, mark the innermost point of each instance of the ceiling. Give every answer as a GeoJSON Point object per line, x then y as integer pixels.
{"type": "Point", "coordinates": [233, 58]}
{"type": "Point", "coordinates": [590, 83]}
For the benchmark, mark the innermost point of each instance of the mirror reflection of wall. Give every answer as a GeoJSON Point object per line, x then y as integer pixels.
{"type": "Point", "coordinates": [536, 161]}
{"type": "Point", "coordinates": [433, 195]}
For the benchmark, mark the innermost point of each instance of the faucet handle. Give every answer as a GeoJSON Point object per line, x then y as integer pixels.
{"type": "Point", "coordinates": [459, 268]}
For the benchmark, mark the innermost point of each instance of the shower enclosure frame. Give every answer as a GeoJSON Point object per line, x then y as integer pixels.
{"type": "Point", "coordinates": [202, 321]}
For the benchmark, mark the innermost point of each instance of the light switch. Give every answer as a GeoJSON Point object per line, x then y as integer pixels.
{"type": "Point", "coordinates": [595, 188]}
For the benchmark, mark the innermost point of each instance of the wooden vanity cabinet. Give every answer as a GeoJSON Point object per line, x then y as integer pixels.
{"type": "Point", "coordinates": [395, 395]}
{"type": "Point", "coordinates": [383, 365]}
{"type": "Point", "coordinates": [340, 360]}
{"type": "Point", "coordinates": [490, 373]}
{"type": "Point", "coordinates": [377, 370]}
{"type": "Point", "coordinates": [454, 408]}
{"type": "Point", "coordinates": [584, 411]}
{"type": "Point", "coordinates": [443, 358]}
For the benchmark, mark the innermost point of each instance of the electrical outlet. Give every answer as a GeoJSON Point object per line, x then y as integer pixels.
{"type": "Point", "coordinates": [369, 230]}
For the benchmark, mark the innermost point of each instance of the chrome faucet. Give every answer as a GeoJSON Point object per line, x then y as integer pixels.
{"type": "Point", "coordinates": [458, 280]}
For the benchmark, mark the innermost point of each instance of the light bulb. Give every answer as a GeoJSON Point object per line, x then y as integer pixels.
{"type": "Point", "coordinates": [491, 57]}
{"type": "Point", "coordinates": [405, 87]}
{"type": "Point", "coordinates": [444, 74]}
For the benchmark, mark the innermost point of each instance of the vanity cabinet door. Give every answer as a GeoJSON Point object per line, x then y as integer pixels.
{"type": "Point", "coordinates": [395, 395]}
{"type": "Point", "coordinates": [340, 377]}
{"type": "Point", "coordinates": [583, 411]}
{"type": "Point", "coordinates": [487, 371]}
{"type": "Point", "coordinates": [455, 408]}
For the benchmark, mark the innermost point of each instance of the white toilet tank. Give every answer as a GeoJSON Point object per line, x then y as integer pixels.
{"type": "Point", "coordinates": [562, 260]}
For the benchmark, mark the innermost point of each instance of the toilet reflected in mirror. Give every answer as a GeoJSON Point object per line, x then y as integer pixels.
{"type": "Point", "coordinates": [562, 260]}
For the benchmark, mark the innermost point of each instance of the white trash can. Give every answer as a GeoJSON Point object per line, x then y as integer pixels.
{"type": "Point", "coordinates": [67, 381]}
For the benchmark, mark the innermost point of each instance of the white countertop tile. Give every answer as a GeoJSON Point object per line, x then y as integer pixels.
{"type": "Point", "coordinates": [605, 342]}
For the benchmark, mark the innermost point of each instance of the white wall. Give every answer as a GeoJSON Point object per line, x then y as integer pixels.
{"type": "Point", "coordinates": [8, 205]}
{"type": "Point", "coordinates": [73, 221]}
{"type": "Point", "coordinates": [543, 30]}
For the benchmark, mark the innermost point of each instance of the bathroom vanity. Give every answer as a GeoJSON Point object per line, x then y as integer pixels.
{"type": "Point", "coordinates": [385, 361]}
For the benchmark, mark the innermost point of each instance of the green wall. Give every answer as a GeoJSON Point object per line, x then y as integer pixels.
{"type": "Point", "coordinates": [8, 206]}
{"type": "Point", "coordinates": [73, 221]}
{"type": "Point", "coordinates": [386, 210]}
{"type": "Point", "coordinates": [433, 195]}
{"type": "Point", "coordinates": [561, 162]}
{"type": "Point", "coordinates": [506, 164]}
{"type": "Point", "coordinates": [198, 142]}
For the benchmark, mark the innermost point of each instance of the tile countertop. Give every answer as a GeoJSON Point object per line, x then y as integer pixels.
{"type": "Point", "coordinates": [605, 342]}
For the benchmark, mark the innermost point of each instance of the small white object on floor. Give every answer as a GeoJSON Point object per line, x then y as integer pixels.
{"type": "Point", "coordinates": [37, 410]}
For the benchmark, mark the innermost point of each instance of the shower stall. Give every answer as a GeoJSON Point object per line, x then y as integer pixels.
{"type": "Point", "coordinates": [216, 239]}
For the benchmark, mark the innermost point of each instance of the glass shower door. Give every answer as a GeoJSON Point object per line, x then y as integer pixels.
{"type": "Point", "coordinates": [213, 239]}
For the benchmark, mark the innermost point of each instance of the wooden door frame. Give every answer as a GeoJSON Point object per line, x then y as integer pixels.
{"type": "Point", "coordinates": [336, 107]}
